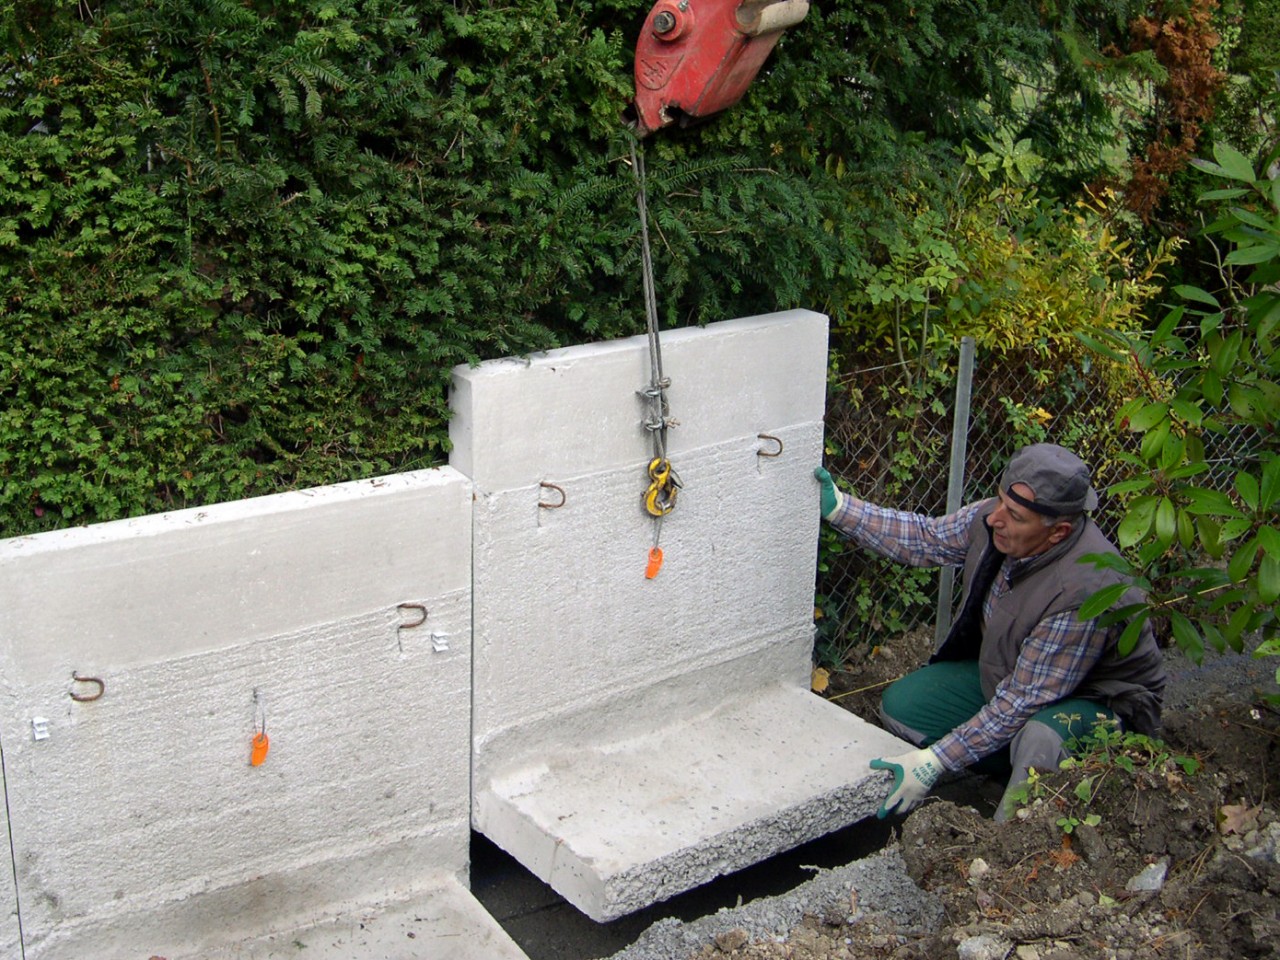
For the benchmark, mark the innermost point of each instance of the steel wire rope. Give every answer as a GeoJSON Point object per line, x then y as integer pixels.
{"type": "Point", "coordinates": [657, 393]}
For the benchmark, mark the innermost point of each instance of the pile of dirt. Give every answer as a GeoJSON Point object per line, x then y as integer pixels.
{"type": "Point", "coordinates": [1143, 851]}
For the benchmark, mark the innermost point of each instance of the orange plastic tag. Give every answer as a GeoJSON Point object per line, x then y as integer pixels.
{"type": "Point", "coordinates": [258, 751]}
{"type": "Point", "coordinates": [655, 563]}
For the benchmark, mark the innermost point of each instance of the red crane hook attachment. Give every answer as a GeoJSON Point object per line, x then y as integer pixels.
{"type": "Point", "coordinates": [695, 58]}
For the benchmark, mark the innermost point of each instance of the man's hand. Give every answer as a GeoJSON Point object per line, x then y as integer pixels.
{"type": "Point", "coordinates": [913, 775]}
{"type": "Point", "coordinates": [831, 497]}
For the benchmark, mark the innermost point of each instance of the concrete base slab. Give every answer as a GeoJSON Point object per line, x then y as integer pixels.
{"type": "Point", "coordinates": [622, 825]}
{"type": "Point", "coordinates": [441, 921]}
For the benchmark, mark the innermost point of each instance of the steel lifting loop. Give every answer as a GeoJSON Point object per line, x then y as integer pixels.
{"type": "Point", "coordinates": [767, 453]}
{"type": "Point", "coordinates": [422, 615]}
{"type": "Point", "coordinates": [87, 697]}
{"type": "Point", "coordinates": [660, 498]}
{"type": "Point", "coordinates": [559, 490]}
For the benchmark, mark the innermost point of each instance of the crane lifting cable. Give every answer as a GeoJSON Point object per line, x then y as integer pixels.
{"type": "Point", "coordinates": [660, 498]}
{"type": "Point", "coordinates": [694, 58]}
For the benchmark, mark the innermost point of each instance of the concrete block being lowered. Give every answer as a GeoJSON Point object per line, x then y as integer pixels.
{"type": "Point", "coordinates": [636, 737]}
{"type": "Point", "coordinates": [140, 662]}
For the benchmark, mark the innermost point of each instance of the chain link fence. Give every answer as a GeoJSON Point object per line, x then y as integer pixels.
{"type": "Point", "coordinates": [890, 438]}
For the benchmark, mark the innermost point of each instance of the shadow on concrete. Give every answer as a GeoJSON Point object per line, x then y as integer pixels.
{"type": "Point", "coordinates": [547, 927]}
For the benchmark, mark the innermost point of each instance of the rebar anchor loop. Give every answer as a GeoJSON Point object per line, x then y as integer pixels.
{"type": "Point", "coordinates": [772, 439]}
{"type": "Point", "coordinates": [545, 505]}
{"type": "Point", "coordinates": [87, 697]}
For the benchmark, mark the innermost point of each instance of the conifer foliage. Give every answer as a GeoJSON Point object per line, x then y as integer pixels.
{"type": "Point", "coordinates": [243, 242]}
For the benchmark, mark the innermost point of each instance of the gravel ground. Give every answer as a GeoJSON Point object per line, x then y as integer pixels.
{"type": "Point", "coordinates": [880, 885]}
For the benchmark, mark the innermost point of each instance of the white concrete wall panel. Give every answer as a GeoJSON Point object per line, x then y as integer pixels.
{"type": "Point", "coordinates": [139, 812]}
{"type": "Point", "coordinates": [560, 594]}
{"type": "Point", "coordinates": [636, 737]}
{"type": "Point", "coordinates": [10, 938]}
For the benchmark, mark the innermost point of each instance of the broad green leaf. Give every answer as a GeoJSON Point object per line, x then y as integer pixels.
{"type": "Point", "coordinates": [1186, 530]}
{"type": "Point", "coordinates": [1186, 636]}
{"type": "Point", "coordinates": [1246, 402]}
{"type": "Point", "coordinates": [1214, 636]}
{"type": "Point", "coordinates": [1187, 411]}
{"type": "Point", "coordinates": [1166, 521]}
{"type": "Point", "coordinates": [1233, 163]}
{"type": "Point", "coordinates": [1269, 579]}
{"type": "Point", "coordinates": [1154, 440]}
{"type": "Point", "coordinates": [1135, 485]}
{"type": "Point", "coordinates": [1187, 469]}
{"type": "Point", "coordinates": [1195, 293]}
{"type": "Point", "coordinates": [1241, 561]}
{"type": "Point", "coordinates": [1264, 317]}
{"type": "Point", "coordinates": [1129, 639]}
{"type": "Point", "coordinates": [1254, 253]}
{"type": "Point", "coordinates": [1202, 500]}
{"type": "Point", "coordinates": [1210, 533]}
{"type": "Point", "coordinates": [1211, 383]}
{"type": "Point", "coordinates": [1223, 352]}
{"type": "Point", "coordinates": [1108, 348]}
{"type": "Point", "coordinates": [1235, 528]}
{"type": "Point", "coordinates": [1195, 450]}
{"type": "Point", "coordinates": [1168, 325]}
{"type": "Point", "coordinates": [1245, 215]}
{"type": "Point", "coordinates": [1236, 627]}
{"type": "Point", "coordinates": [1146, 417]}
{"type": "Point", "coordinates": [1098, 603]}
{"type": "Point", "coordinates": [1121, 614]}
{"type": "Point", "coordinates": [1171, 453]}
{"type": "Point", "coordinates": [1227, 193]}
{"type": "Point", "coordinates": [1108, 561]}
{"type": "Point", "coordinates": [1137, 521]}
{"type": "Point", "coordinates": [1269, 491]}
{"type": "Point", "coordinates": [1084, 789]}
{"type": "Point", "coordinates": [1269, 540]}
{"type": "Point", "coordinates": [1247, 487]}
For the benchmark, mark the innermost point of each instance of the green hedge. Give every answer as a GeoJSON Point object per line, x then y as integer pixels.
{"type": "Point", "coordinates": [243, 243]}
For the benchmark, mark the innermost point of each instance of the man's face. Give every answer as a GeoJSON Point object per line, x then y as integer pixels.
{"type": "Point", "coordinates": [1020, 533]}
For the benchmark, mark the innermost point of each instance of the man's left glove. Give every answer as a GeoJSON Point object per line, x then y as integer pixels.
{"type": "Point", "coordinates": [830, 498]}
{"type": "Point", "coordinates": [914, 774]}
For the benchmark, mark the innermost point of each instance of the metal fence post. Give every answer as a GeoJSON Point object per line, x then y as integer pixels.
{"type": "Point", "coordinates": [955, 477]}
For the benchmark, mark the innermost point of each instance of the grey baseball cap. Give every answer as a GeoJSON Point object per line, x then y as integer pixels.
{"type": "Point", "coordinates": [1058, 478]}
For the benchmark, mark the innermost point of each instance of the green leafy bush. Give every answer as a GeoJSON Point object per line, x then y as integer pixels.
{"type": "Point", "coordinates": [1207, 540]}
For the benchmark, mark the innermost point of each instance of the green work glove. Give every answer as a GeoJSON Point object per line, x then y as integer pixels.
{"type": "Point", "coordinates": [831, 497]}
{"type": "Point", "coordinates": [914, 774]}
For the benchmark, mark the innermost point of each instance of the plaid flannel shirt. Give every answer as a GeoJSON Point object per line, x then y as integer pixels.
{"type": "Point", "coordinates": [1055, 657]}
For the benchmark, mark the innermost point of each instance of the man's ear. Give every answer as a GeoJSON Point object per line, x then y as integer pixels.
{"type": "Point", "coordinates": [1059, 532]}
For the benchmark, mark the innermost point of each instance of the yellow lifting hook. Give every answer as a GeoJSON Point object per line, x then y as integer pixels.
{"type": "Point", "coordinates": [660, 498]}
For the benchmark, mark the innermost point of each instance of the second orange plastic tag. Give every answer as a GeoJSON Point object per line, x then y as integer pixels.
{"type": "Point", "coordinates": [655, 563]}
{"type": "Point", "coordinates": [258, 750]}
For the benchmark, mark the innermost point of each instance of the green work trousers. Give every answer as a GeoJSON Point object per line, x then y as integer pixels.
{"type": "Point", "coordinates": [926, 705]}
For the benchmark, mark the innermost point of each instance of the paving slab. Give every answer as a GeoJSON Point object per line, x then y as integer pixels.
{"type": "Point", "coordinates": [625, 823]}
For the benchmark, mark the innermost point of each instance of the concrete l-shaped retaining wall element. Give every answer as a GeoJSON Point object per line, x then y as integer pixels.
{"type": "Point", "coordinates": [339, 617]}
{"type": "Point", "coordinates": [427, 652]}
{"type": "Point", "coordinates": [637, 737]}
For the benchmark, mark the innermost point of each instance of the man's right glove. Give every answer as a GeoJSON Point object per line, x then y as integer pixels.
{"type": "Point", "coordinates": [914, 774]}
{"type": "Point", "coordinates": [831, 497]}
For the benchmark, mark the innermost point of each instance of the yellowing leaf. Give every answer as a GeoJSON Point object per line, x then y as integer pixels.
{"type": "Point", "coordinates": [820, 680]}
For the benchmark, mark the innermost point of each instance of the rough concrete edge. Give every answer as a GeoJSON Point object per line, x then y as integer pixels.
{"type": "Point", "coordinates": [732, 850]}
{"type": "Point", "coordinates": [880, 881]}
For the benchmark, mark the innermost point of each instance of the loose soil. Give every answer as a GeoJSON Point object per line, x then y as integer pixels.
{"type": "Point", "coordinates": [1176, 864]}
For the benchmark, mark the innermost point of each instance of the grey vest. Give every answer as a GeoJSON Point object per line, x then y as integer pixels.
{"type": "Point", "coordinates": [1051, 583]}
